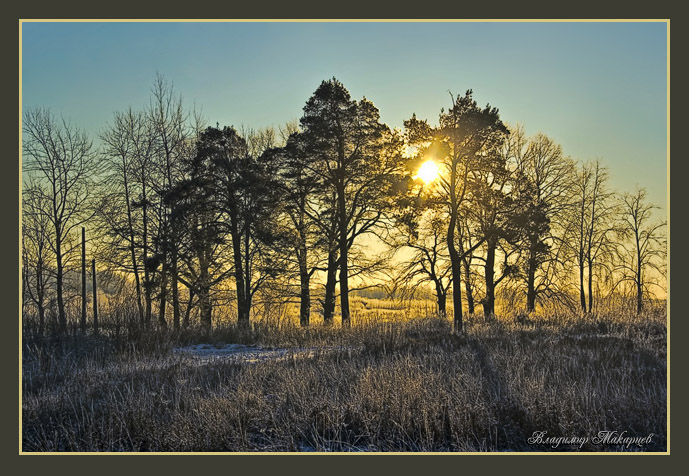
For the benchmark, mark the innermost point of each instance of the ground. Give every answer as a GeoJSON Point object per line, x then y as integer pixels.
{"type": "Point", "coordinates": [383, 386]}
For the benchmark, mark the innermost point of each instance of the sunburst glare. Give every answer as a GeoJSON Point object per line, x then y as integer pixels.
{"type": "Point", "coordinates": [428, 172]}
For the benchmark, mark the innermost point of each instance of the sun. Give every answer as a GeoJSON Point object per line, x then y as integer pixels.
{"type": "Point", "coordinates": [428, 171]}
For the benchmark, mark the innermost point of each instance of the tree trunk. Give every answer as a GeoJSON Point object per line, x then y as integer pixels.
{"type": "Point", "coordinates": [582, 295]}
{"type": "Point", "coordinates": [175, 291]}
{"type": "Point", "coordinates": [468, 288]}
{"type": "Point", "coordinates": [331, 281]}
{"type": "Point", "coordinates": [441, 298]}
{"type": "Point", "coordinates": [305, 299]}
{"type": "Point", "coordinates": [242, 316]}
{"type": "Point", "coordinates": [148, 299]}
{"type": "Point", "coordinates": [639, 283]}
{"type": "Point", "coordinates": [344, 249]}
{"type": "Point", "coordinates": [247, 280]}
{"type": "Point", "coordinates": [247, 309]}
{"type": "Point", "coordinates": [163, 295]}
{"type": "Point", "coordinates": [456, 267]}
{"type": "Point", "coordinates": [489, 301]}
{"type": "Point", "coordinates": [639, 291]}
{"type": "Point", "coordinates": [344, 293]}
{"type": "Point", "coordinates": [531, 280]}
{"type": "Point", "coordinates": [205, 307]}
{"type": "Point", "coordinates": [639, 297]}
{"type": "Point", "coordinates": [41, 319]}
{"type": "Point", "coordinates": [457, 299]}
{"type": "Point", "coordinates": [148, 285]}
{"type": "Point", "coordinates": [304, 278]}
{"type": "Point", "coordinates": [590, 286]}
{"type": "Point", "coordinates": [187, 312]}
{"type": "Point", "coordinates": [59, 273]}
{"type": "Point", "coordinates": [132, 247]}
{"type": "Point", "coordinates": [137, 284]}
{"type": "Point", "coordinates": [40, 296]}
{"type": "Point", "coordinates": [204, 289]}
{"type": "Point", "coordinates": [467, 269]}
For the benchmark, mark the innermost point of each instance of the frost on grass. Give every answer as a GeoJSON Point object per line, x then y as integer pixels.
{"type": "Point", "coordinates": [247, 353]}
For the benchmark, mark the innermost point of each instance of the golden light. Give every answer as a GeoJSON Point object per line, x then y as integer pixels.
{"type": "Point", "coordinates": [409, 151]}
{"type": "Point", "coordinates": [428, 171]}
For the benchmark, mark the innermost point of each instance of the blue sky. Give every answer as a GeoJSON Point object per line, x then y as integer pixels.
{"type": "Point", "coordinates": [599, 89]}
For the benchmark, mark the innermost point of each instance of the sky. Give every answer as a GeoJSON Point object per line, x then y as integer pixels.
{"type": "Point", "coordinates": [598, 89]}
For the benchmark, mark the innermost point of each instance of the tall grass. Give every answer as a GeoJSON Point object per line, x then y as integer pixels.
{"type": "Point", "coordinates": [377, 386]}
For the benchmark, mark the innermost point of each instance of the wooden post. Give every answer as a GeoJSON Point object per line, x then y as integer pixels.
{"type": "Point", "coordinates": [83, 280]}
{"type": "Point", "coordinates": [95, 297]}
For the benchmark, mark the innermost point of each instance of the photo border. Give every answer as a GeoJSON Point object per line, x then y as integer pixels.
{"type": "Point", "coordinates": [11, 241]}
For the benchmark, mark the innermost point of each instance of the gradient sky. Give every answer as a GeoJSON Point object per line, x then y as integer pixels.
{"type": "Point", "coordinates": [599, 89]}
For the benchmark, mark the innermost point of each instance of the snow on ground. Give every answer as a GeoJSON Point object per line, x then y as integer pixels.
{"type": "Point", "coordinates": [248, 353]}
{"type": "Point", "coordinates": [238, 352]}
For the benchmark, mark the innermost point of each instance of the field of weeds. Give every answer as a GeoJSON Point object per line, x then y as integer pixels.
{"type": "Point", "coordinates": [377, 386]}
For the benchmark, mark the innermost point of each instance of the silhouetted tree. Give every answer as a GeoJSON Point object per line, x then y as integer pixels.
{"type": "Point", "coordinates": [36, 254]}
{"type": "Point", "coordinates": [465, 137]}
{"type": "Point", "coordinates": [171, 133]}
{"type": "Point", "coordinates": [197, 213]}
{"type": "Point", "coordinates": [545, 178]}
{"type": "Point", "coordinates": [304, 218]}
{"type": "Point", "coordinates": [246, 191]}
{"type": "Point", "coordinates": [123, 143]}
{"type": "Point", "coordinates": [645, 249]}
{"type": "Point", "coordinates": [590, 238]}
{"type": "Point", "coordinates": [430, 261]}
{"type": "Point", "coordinates": [357, 159]}
{"type": "Point", "coordinates": [61, 157]}
{"type": "Point", "coordinates": [493, 208]}
{"type": "Point", "coordinates": [142, 142]}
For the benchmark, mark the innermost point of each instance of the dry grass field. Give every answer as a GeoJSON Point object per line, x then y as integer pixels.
{"type": "Point", "coordinates": [402, 384]}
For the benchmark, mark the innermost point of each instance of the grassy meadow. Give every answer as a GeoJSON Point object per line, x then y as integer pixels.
{"type": "Point", "coordinates": [394, 381]}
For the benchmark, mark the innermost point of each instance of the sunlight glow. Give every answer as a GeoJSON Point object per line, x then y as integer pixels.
{"type": "Point", "coordinates": [428, 172]}
{"type": "Point", "coordinates": [409, 151]}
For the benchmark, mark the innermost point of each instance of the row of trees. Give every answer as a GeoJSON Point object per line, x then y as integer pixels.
{"type": "Point", "coordinates": [180, 210]}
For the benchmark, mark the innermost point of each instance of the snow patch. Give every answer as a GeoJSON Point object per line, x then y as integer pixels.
{"type": "Point", "coordinates": [249, 353]}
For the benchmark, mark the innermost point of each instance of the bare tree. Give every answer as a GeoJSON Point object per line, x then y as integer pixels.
{"type": "Point", "coordinates": [36, 254]}
{"type": "Point", "coordinates": [259, 140]}
{"type": "Point", "coordinates": [545, 178]}
{"type": "Point", "coordinates": [122, 148]}
{"type": "Point", "coordinates": [60, 156]}
{"type": "Point", "coordinates": [645, 249]}
{"type": "Point", "coordinates": [430, 261]}
{"type": "Point", "coordinates": [590, 238]}
{"type": "Point", "coordinates": [142, 141]}
{"type": "Point", "coordinates": [168, 122]}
